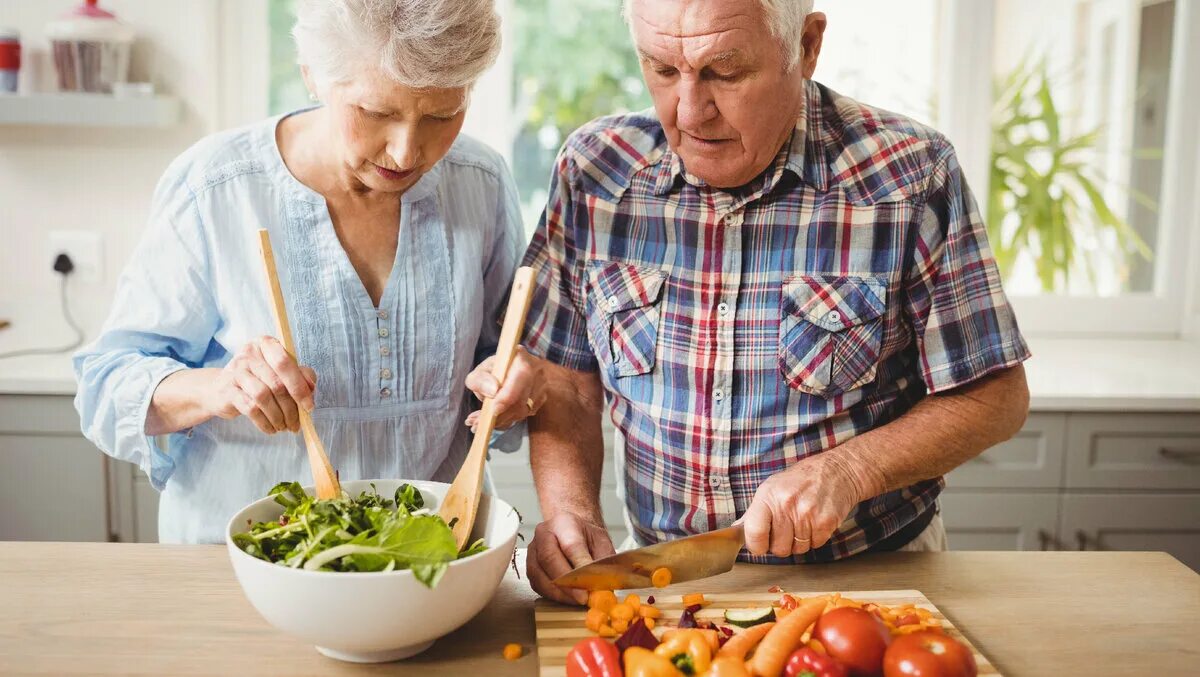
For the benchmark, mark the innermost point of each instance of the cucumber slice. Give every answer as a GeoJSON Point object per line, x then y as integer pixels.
{"type": "Point", "coordinates": [744, 618]}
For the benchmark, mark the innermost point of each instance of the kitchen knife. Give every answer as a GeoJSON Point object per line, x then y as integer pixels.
{"type": "Point", "coordinates": [688, 559]}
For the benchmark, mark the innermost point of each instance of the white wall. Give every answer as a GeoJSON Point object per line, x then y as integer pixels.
{"type": "Point", "coordinates": [95, 179]}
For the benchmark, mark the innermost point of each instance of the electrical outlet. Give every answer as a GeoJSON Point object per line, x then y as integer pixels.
{"type": "Point", "coordinates": [86, 250]}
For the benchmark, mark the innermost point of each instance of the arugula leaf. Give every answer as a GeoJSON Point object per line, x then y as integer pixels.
{"type": "Point", "coordinates": [366, 533]}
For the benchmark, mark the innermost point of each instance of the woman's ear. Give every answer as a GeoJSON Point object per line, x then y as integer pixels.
{"type": "Point", "coordinates": [810, 40]}
{"type": "Point", "coordinates": [309, 84]}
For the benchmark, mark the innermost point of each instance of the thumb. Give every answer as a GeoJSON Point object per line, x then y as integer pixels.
{"type": "Point", "coordinates": [756, 524]}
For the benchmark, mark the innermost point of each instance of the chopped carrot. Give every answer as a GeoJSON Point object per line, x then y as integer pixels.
{"type": "Point", "coordinates": [661, 577]}
{"type": "Point", "coordinates": [784, 638]}
{"type": "Point", "coordinates": [622, 611]}
{"type": "Point", "coordinates": [693, 599]}
{"type": "Point", "coordinates": [607, 631]}
{"type": "Point", "coordinates": [602, 600]}
{"type": "Point", "coordinates": [649, 622]}
{"type": "Point", "coordinates": [595, 618]}
{"type": "Point", "coordinates": [647, 611]}
{"type": "Point", "coordinates": [620, 625]}
{"type": "Point", "coordinates": [512, 651]}
{"type": "Point", "coordinates": [741, 644]}
{"type": "Point", "coordinates": [633, 600]}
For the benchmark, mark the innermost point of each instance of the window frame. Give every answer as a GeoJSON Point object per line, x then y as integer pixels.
{"type": "Point", "coordinates": [968, 33]}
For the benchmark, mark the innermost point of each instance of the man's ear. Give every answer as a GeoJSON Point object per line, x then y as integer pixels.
{"type": "Point", "coordinates": [810, 40]}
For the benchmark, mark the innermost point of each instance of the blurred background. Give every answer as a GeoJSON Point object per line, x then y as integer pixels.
{"type": "Point", "coordinates": [1076, 122]}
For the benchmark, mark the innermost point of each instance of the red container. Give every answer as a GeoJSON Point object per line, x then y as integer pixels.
{"type": "Point", "coordinates": [10, 50]}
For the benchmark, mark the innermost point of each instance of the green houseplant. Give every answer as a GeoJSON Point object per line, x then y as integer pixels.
{"type": "Point", "coordinates": [1044, 193]}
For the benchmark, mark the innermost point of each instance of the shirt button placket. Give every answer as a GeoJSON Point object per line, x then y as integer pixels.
{"type": "Point", "coordinates": [385, 350]}
{"type": "Point", "coordinates": [722, 394]}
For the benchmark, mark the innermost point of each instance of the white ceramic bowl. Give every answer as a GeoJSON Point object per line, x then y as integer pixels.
{"type": "Point", "coordinates": [373, 617]}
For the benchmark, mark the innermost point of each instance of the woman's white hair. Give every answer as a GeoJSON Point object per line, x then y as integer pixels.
{"type": "Point", "coordinates": [785, 19]}
{"type": "Point", "coordinates": [419, 43]}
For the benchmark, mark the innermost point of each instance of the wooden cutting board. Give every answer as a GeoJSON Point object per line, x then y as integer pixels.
{"type": "Point", "coordinates": [560, 627]}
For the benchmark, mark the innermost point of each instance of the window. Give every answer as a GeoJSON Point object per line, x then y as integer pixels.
{"type": "Point", "coordinates": [1070, 119]}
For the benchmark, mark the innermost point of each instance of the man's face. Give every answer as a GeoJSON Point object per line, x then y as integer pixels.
{"type": "Point", "coordinates": [721, 83]}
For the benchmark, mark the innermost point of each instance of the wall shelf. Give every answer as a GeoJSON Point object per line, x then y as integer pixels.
{"type": "Point", "coordinates": [88, 110]}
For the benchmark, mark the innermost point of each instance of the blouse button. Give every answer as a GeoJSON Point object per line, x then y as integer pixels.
{"type": "Point", "coordinates": [385, 374]}
{"type": "Point", "coordinates": [385, 351]}
{"type": "Point", "coordinates": [382, 314]}
{"type": "Point", "coordinates": [383, 332]}
{"type": "Point", "coordinates": [385, 392]}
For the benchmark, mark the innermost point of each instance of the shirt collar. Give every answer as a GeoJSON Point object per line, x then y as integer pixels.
{"type": "Point", "coordinates": [804, 155]}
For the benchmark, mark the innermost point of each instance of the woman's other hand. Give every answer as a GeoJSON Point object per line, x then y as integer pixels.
{"type": "Point", "coordinates": [265, 384]}
{"type": "Point", "coordinates": [521, 396]}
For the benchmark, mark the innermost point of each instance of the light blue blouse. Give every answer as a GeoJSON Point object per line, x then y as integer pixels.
{"type": "Point", "coordinates": [390, 400]}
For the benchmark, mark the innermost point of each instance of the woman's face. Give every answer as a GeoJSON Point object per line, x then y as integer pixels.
{"type": "Point", "coordinates": [389, 135]}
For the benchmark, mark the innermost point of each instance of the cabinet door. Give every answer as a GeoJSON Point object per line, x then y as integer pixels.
{"type": "Point", "coordinates": [1033, 459]}
{"type": "Point", "coordinates": [999, 521]}
{"type": "Point", "coordinates": [1133, 451]}
{"type": "Point", "coordinates": [54, 485]}
{"type": "Point", "coordinates": [1159, 522]}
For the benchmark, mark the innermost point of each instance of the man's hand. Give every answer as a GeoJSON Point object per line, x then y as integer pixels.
{"type": "Point", "coordinates": [798, 509]}
{"type": "Point", "coordinates": [559, 545]}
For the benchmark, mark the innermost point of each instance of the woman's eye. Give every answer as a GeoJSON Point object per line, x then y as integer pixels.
{"type": "Point", "coordinates": [374, 115]}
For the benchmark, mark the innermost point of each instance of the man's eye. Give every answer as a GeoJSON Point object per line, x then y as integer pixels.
{"type": "Point", "coordinates": [665, 72]}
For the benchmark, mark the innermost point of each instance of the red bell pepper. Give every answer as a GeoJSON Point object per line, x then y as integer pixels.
{"type": "Point", "coordinates": [808, 663]}
{"type": "Point", "coordinates": [594, 657]}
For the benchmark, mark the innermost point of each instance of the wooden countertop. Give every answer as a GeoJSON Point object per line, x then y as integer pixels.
{"type": "Point", "coordinates": [98, 608]}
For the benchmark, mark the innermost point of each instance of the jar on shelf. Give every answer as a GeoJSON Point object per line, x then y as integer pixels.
{"type": "Point", "coordinates": [91, 49]}
{"type": "Point", "coordinates": [10, 59]}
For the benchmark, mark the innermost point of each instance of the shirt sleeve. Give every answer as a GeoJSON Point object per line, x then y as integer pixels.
{"type": "Point", "coordinates": [556, 328]}
{"type": "Point", "coordinates": [964, 325]}
{"type": "Point", "coordinates": [162, 320]}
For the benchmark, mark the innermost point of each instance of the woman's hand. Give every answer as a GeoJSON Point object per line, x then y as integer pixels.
{"type": "Point", "coordinates": [263, 383]}
{"type": "Point", "coordinates": [521, 396]}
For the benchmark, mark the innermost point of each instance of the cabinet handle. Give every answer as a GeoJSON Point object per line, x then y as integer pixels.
{"type": "Point", "coordinates": [1185, 455]}
{"type": "Point", "coordinates": [1046, 539]}
{"type": "Point", "coordinates": [1081, 538]}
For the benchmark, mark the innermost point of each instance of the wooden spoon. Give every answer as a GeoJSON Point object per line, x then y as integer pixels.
{"type": "Point", "coordinates": [462, 500]}
{"type": "Point", "coordinates": [324, 478]}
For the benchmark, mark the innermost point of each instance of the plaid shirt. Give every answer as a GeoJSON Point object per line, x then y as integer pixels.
{"type": "Point", "coordinates": [737, 332]}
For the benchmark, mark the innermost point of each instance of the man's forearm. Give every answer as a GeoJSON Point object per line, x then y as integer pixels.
{"type": "Point", "coordinates": [937, 435]}
{"type": "Point", "coordinates": [566, 445]}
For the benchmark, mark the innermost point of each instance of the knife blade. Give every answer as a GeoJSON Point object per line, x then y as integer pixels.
{"type": "Point", "coordinates": [688, 559]}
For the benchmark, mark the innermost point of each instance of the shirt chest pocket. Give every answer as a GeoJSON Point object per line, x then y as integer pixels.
{"type": "Point", "coordinates": [623, 315]}
{"type": "Point", "coordinates": [830, 332]}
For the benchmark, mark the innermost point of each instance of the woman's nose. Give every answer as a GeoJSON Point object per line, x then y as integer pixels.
{"type": "Point", "coordinates": [404, 148]}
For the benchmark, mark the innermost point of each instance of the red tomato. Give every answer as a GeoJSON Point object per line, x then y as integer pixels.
{"type": "Point", "coordinates": [855, 638]}
{"type": "Point", "coordinates": [928, 654]}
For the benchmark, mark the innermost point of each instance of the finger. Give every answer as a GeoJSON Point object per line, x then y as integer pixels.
{"type": "Point", "coordinates": [310, 375]}
{"type": "Point", "coordinates": [285, 366]}
{"type": "Point", "coordinates": [803, 536]}
{"type": "Point", "coordinates": [263, 398]}
{"type": "Point", "coordinates": [554, 563]}
{"type": "Point", "coordinates": [516, 389]}
{"type": "Point", "coordinates": [283, 400]}
{"type": "Point", "coordinates": [757, 527]}
{"type": "Point", "coordinates": [250, 410]}
{"type": "Point", "coordinates": [472, 419]}
{"type": "Point", "coordinates": [544, 585]}
{"type": "Point", "coordinates": [781, 536]}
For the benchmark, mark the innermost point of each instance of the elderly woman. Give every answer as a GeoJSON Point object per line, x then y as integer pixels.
{"type": "Point", "coordinates": [396, 240]}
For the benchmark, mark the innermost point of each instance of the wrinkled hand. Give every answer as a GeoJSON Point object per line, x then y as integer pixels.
{"type": "Point", "coordinates": [521, 396]}
{"type": "Point", "coordinates": [798, 509]}
{"type": "Point", "coordinates": [559, 545]}
{"type": "Point", "coordinates": [263, 383]}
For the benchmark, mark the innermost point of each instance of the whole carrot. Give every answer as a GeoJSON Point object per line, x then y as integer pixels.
{"type": "Point", "coordinates": [784, 638]}
{"type": "Point", "coordinates": [739, 645]}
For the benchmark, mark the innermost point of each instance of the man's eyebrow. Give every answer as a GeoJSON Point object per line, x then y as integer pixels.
{"type": "Point", "coordinates": [732, 56]}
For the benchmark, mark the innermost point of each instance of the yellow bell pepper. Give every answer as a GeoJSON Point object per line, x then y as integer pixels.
{"type": "Point", "coordinates": [642, 662]}
{"type": "Point", "coordinates": [728, 666]}
{"type": "Point", "coordinates": [688, 650]}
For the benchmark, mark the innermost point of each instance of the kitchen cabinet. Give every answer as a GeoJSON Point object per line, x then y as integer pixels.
{"type": "Point", "coordinates": [1000, 521]}
{"type": "Point", "coordinates": [1167, 522]}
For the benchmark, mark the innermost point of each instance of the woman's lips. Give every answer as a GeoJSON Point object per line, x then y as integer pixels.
{"type": "Point", "coordinates": [393, 175]}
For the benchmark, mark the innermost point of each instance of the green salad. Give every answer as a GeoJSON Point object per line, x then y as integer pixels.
{"type": "Point", "coordinates": [367, 533]}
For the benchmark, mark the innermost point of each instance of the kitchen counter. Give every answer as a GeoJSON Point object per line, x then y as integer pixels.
{"type": "Point", "coordinates": [177, 610]}
{"type": "Point", "coordinates": [1064, 375]}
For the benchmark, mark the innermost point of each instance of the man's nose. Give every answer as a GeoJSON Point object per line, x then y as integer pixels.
{"type": "Point", "coordinates": [696, 105]}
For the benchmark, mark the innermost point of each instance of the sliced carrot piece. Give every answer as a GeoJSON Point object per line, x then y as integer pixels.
{"type": "Point", "coordinates": [607, 631]}
{"type": "Point", "coordinates": [602, 600]}
{"type": "Point", "coordinates": [594, 619]}
{"type": "Point", "coordinates": [622, 612]}
{"type": "Point", "coordinates": [647, 611]}
{"type": "Point", "coordinates": [693, 599]}
{"type": "Point", "coordinates": [512, 651]}
{"type": "Point", "coordinates": [620, 625]}
{"type": "Point", "coordinates": [633, 600]}
{"type": "Point", "coordinates": [661, 577]}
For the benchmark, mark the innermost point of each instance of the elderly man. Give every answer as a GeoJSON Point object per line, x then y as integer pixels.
{"type": "Point", "coordinates": [785, 297]}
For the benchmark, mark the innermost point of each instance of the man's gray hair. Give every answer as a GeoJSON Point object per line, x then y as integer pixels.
{"type": "Point", "coordinates": [785, 19]}
{"type": "Point", "coordinates": [418, 43]}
